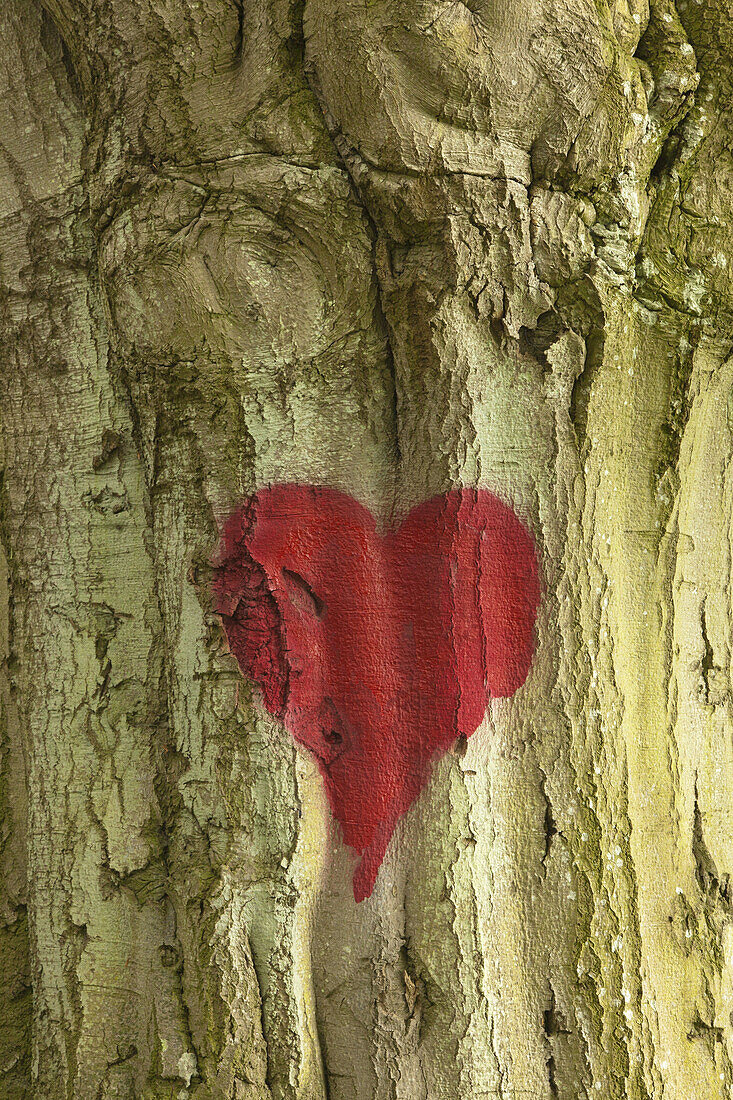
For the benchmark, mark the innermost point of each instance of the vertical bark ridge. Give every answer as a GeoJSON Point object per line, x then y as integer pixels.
{"type": "Point", "coordinates": [543, 197]}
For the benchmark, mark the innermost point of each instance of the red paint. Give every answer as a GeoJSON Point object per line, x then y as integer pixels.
{"type": "Point", "coordinates": [377, 650]}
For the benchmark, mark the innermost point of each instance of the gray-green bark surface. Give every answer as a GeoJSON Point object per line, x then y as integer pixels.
{"type": "Point", "coordinates": [393, 248]}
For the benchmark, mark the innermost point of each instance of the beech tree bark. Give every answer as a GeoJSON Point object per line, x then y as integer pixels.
{"type": "Point", "coordinates": [392, 248]}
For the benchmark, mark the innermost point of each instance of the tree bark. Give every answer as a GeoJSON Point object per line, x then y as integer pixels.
{"type": "Point", "coordinates": [393, 249]}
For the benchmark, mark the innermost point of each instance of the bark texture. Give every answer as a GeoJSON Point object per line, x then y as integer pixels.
{"type": "Point", "coordinates": [392, 248]}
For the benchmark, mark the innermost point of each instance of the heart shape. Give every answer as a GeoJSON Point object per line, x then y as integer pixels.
{"type": "Point", "coordinates": [377, 650]}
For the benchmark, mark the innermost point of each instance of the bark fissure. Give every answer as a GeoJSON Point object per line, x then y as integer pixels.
{"type": "Point", "coordinates": [391, 252]}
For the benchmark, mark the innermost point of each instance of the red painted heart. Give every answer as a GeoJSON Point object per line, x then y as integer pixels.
{"type": "Point", "coordinates": [377, 650]}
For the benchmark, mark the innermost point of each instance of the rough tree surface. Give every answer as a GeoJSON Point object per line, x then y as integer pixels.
{"type": "Point", "coordinates": [395, 248]}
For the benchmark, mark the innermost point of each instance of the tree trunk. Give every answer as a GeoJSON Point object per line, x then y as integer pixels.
{"type": "Point", "coordinates": [392, 249]}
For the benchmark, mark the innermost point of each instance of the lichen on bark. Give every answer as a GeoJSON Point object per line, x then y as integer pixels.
{"type": "Point", "coordinates": [392, 249]}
